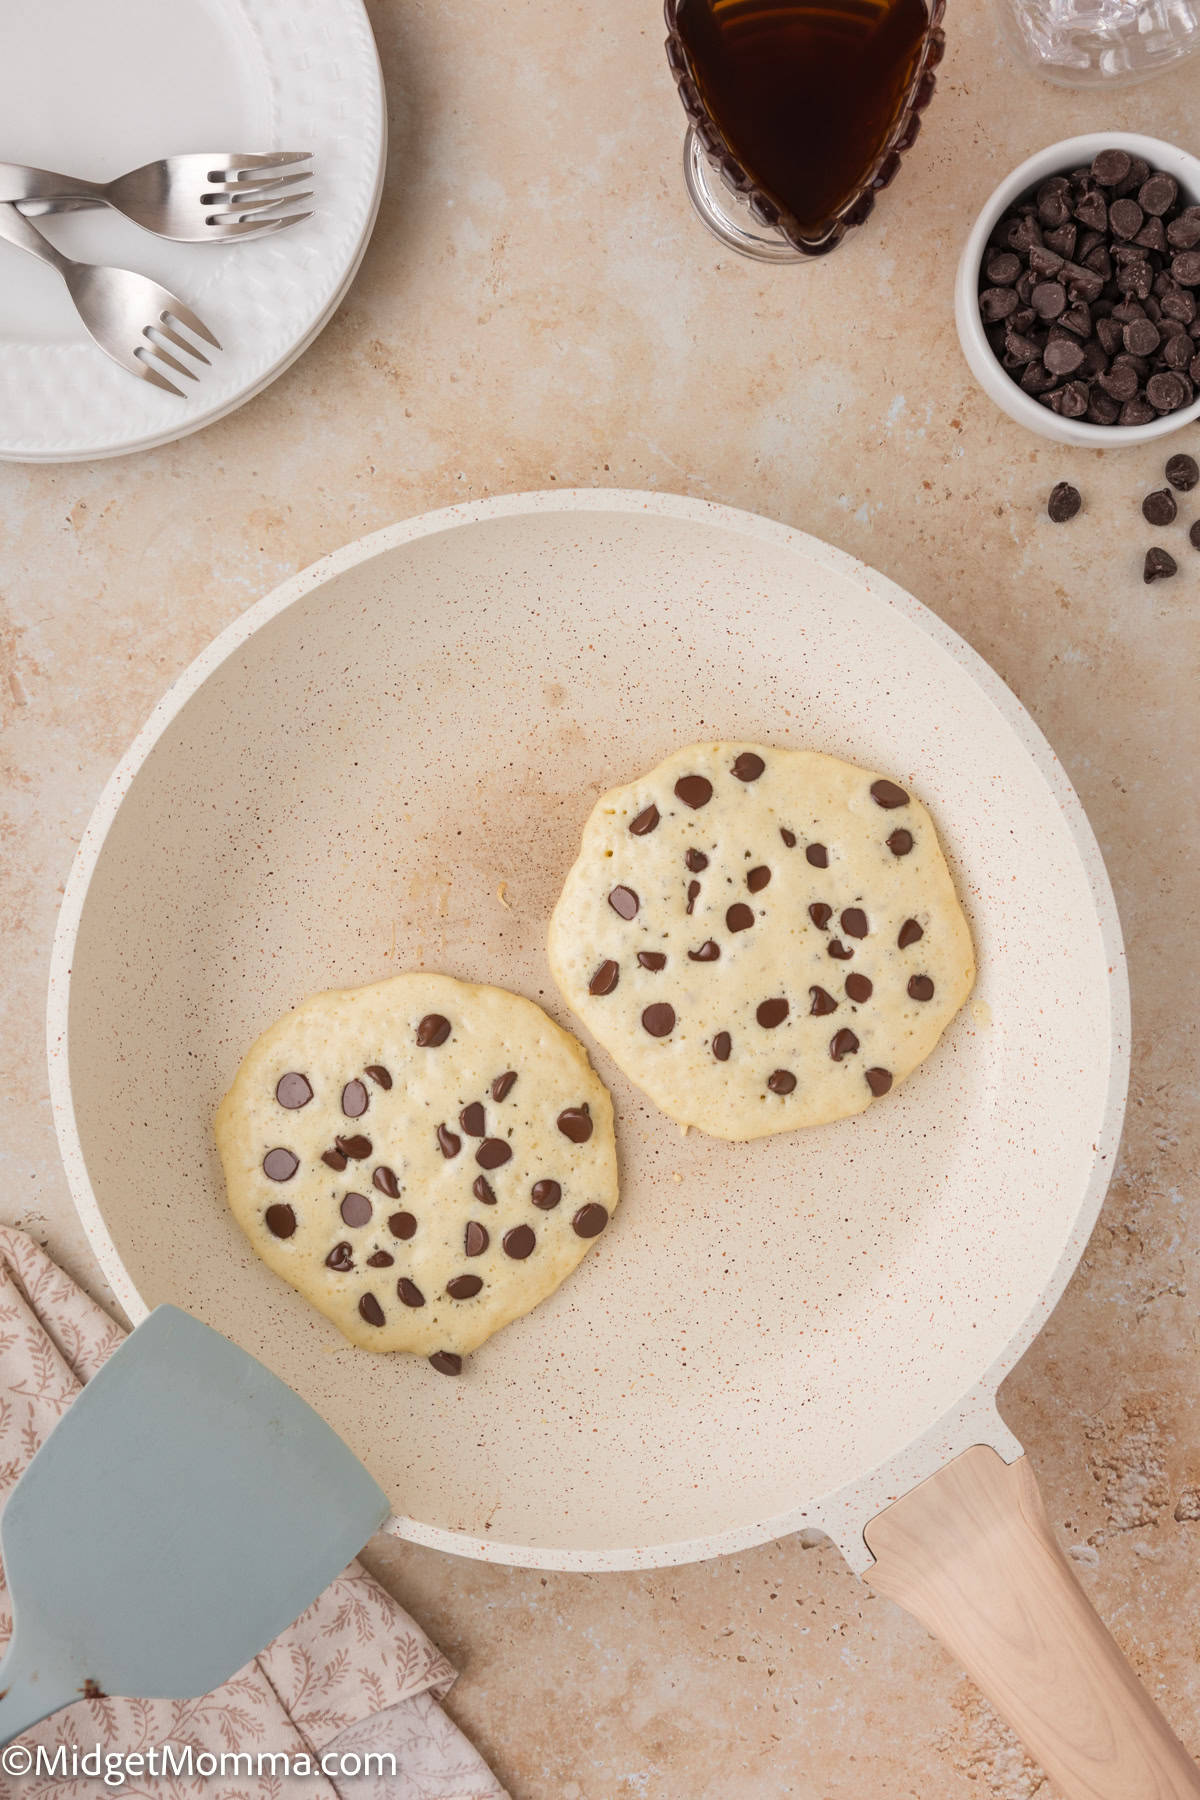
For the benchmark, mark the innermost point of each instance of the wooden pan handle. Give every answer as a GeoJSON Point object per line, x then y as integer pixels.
{"type": "Point", "coordinates": [970, 1552]}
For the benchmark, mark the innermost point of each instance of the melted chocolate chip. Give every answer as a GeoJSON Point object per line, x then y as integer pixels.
{"type": "Point", "coordinates": [624, 903]}
{"type": "Point", "coordinates": [380, 1259]}
{"type": "Point", "coordinates": [606, 978]}
{"type": "Point", "coordinates": [281, 1220]}
{"type": "Point", "coordinates": [789, 837]}
{"type": "Point", "coordinates": [920, 987]}
{"type": "Point", "coordinates": [354, 1147]}
{"type": "Point", "coordinates": [709, 951]}
{"type": "Point", "coordinates": [575, 1122]}
{"type": "Point", "coordinates": [854, 922]}
{"type": "Point", "coordinates": [748, 766]}
{"type": "Point", "coordinates": [503, 1085]}
{"type": "Point", "coordinates": [659, 1019]}
{"type": "Point", "coordinates": [739, 917]}
{"type": "Point", "coordinates": [449, 1143]}
{"type": "Point", "coordinates": [333, 1159]}
{"type": "Point", "coordinates": [820, 914]}
{"type": "Point", "coordinates": [446, 1362]}
{"type": "Point", "coordinates": [758, 878]}
{"type": "Point", "coordinates": [910, 933]}
{"type": "Point", "coordinates": [770, 1013]}
{"type": "Point", "coordinates": [822, 1003]}
{"type": "Point", "coordinates": [519, 1242]}
{"type": "Point", "coordinates": [355, 1099]}
{"type": "Point", "coordinates": [475, 1238]}
{"type": "Point", "coordinates": [843, 1043]}
{"type": "Point", "coordinates": [402, 1225]}
{"type": "Point", "coordinates": [696, 861]}
{"type": "Point", "coordinates": [817, 855]}
{"type": "Point", "coordinates": [858, 988]}
{"type": "Point", "coordinates": [694, 790]}
{"type": "Point", "coordinates": [654, 960]}
{"type": "Point", "coordinates": [409, 1292]}
{"type": "Point", "coordinates": [464, 1287]}
{"type": "Point", "coordinates": [546, 1195]}
{"type": "Point", "coordinates": [590, 1220]}
{"type": "Point", "coordinates": [385, 1180]}
{"type": "Point", "coordinates": [645, 822]}
{"type": "Point", "coordinates": [370, 1309]}
{"type": "Point", "coordinates": [693, 894]}
{"type": "Point", "coordinates": [356, 1209]}
{"type": "Point", "coordinates": [280, 1165]}
{"type": "Point", "coordinates": [483, 1190]}
{"type": "Point", "coordinates": [781, 1081]}
{"type": "Point", "coordinates": [432, 1031]}
{"type": "Point", "coordinates": [879, 1080]}
{"type": "Point", "coordinates": [888, 795]}
{"type": "Point", "coordinates": [473, 1119]}
{"type": "Point", "coordinates": [900, 843]}
{"type": "Point", "coordinates": [722, 1044]}
{"type": "Point", "coordinates": [293, 1090]}
{"type": "Point", "coordinates": [379, 1076]}
{"type": "Point", "coordinates": [493, 1153]}
{"type": "Point", "coordinates": [841, 952]}
{"type": "Point", "coordinates": [340, 1258]}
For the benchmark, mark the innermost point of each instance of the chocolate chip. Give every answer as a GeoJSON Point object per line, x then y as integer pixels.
{"type": "Point", "coordinates": [340, 1258]}
{"type": "Point", "coordinates": [820, 914]}
{"type": "Point", "coordinates": [1110, 167]}
{"type": "Point", "coordinates": [645, 822]}
{"type": "Point", "coordinates": [1136, 412]}
{"type": "Point", "coordinates": [722, 1044]}
{"type": "Point", "coordinates": [1125, 218]}
{"type": "Point", "coordinates": [1158, 194]}
{"type": "Point", "coordinates": [333, 1159]}
{"type": "Point", "coordinates": [739, 917]}
{"type": "Point", "coordinates": [519, 1242]}
{"type": "Point", "coordinates": [1194, 534]}
{"type": "Point", "coordinates": [483, 1191]}
{"type": "Point", "coordinates": [920, 987]}
{"type": "Point", "coordinates": [385, 1180]}
{"type": "Point", "coordinates": [1048, 299]}
{"type": "Point", "coordinates": [380, 1076]}
{"type": "Point", "coordinates": [854, 922]}
{"type": "Point", "coordinates": [708, 952]}
{"type": "Point", "coordinates": [839, 951]}
{"type": "Point", "coordinates": [817, 855]}
{"type": "Point", "coordinates": [770, 1013]}
{"type": "Point", "coordinates": [900, 843]}
{"type": "Point", "coordinates": [464, 1287]}
{"type": "Point", "coordinates": [590, 1220]}
{"type": "Point", "coordinates": [402, 1225]}
{"type": "Point", "coordinates": [696, 861]}
{"type": "Point", "coordinates": [409, 1292]}
{"type": "Point", "coordinates": [843, 1043]}
{"type": "Point", "coordinates": [781, 1081]}
{"type": "Point", "coordinates": [293, 1090]}
{"type": "Point", "coordinates": [432, 1031]}
{"type": "Point", "coordinates": [475, 1238]}
{"type": "Point", "coordinates": [1158, 566]}
{"type": "Point", "coordinates": [1141, 337]}
{"type": "Point", "coordinates": [545, 1195]}
{"type": "Point", "coordinates": [1186, 268]}
{"type": "Point", "coordinates": [758, 878]}
{"type": "Point", "coordinates": [624, 902]}
{"type": "Point", "coordinates": [789, 837]}
{"type": "Point", "coordinates": [473, 1119]}
{"type": "Point", "coordinates": [997, 303]}
{"type": "Point", "coordinates": [446, 1362]}
{"type": "Point", "coordinates": [1062, 356]}
{"type": "Point", "coordinates": [355, 1099]}
{"type": "Point", "coordinates": [354, 1147]}
{"type": "Point", "coordinates": [878, 1080]}
{"type": "Point", "coordinates": [370, 1309]}
{"type": "Point", "coordinates": [493, 1153]}
{"type": "Point", "coordinates": [910, 933]}
{"type": "Point", "coordinates": [1159, 508]}
{"type": "Point", "coordinates": [858, 988]}
{"type": "Point", "coordinates": [659, 1019]}
{"type": "Point", "coordinates": [693, 891]}
{"type": "Point", "coordinates": [606, 978]}
{"type": "Point", "coordinates": [822, 1003]}
{"type": "Point", "coordinates": [280, 1165]}
{"type": "Point", "coordinates": [575, 1122]}
{"type": "Point", "coordinates": [1002, 268]}
{"type": "Point", "coordinates": [1183, 472]}
{"type": "Point", "coordinates": [694, 790]}
{"type": "Point", "coordinates": [356, 1209]}
{"type": "Point", "coordinates": [380, 1259]}
{"type": "Point", "coordinates": [281, 1220]}
{"type": "Point", "coordinates": [448, 1142]}
{"type": "Point", "coordinates": [748, 766]}
{"type": "Point", "coordinates": [1167, 391]}
{"type": "Point", "coordinates": [1092, 211]}
{"type": "Point", "coordinates": [503, 1085]}
{"type": "Point", "coordinates": [888, 795]}
{"type": "Point", "coordinates": [654, 960]}
{"type": "Point", "coordinates": [1064, 502]}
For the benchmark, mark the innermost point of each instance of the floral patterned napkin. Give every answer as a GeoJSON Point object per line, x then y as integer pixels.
{"type": "Point", "coordinates": [353, 1674]}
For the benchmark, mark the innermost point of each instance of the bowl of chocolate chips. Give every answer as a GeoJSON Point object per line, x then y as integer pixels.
{"type": "Point", "coordinates": [1078, 292]}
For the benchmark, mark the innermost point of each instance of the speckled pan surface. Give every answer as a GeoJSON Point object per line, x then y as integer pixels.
{"type": "Point", "coordinates": [387, 764]}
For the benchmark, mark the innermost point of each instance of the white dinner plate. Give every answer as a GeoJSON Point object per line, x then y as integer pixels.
{"type": "Point", "coordinates": [95, 90]}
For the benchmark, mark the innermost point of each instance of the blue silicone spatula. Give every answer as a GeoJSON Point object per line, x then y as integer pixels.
{"type": "Point", "coordinates": [186, 1507]}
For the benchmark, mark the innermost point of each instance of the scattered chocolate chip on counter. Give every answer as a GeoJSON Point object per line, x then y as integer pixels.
{"type": "Point", "coordinates": [1194, 535]}
{"type": "Point", "coordinates": [1158, 566]}
{"type": "Point", "coordinates": [1183, 472]}
{"type": "Point", "coordinates": [1159, 508]}
{"type": "Point", "coordinates": [1064, 502]}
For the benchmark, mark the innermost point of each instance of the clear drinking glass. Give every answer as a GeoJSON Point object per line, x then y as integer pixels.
{"type": "Point", "coordinates": [1089, 43]}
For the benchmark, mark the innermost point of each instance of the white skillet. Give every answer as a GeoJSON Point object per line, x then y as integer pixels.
{"type": "Point", "coordinates": [385, 764]}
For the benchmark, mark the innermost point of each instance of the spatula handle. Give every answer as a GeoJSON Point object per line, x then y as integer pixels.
{"type": "Point", "coordinates": [971, 1553]}
{"type": "Point", "coordinates": [26, 1699]}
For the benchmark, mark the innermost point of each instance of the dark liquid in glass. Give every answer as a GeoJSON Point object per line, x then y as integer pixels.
{"type": "Point", "coordinates": [805, 96]}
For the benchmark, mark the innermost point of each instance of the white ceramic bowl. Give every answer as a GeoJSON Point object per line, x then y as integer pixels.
{"type": "Point", "coordinates": [988, 372]}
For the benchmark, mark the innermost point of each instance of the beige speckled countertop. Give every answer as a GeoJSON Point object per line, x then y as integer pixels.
{"type": "Point", "coordinates": [539, 306]}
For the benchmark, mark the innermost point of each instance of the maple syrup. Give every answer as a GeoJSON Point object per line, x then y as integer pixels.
{"type": "Point", "coordinates": [804, 95]}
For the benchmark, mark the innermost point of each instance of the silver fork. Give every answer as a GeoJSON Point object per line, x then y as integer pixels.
{"type": "Point", "coordinates": [127, 315]}
{"type": "Point", "coordinates": [210, 197]}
